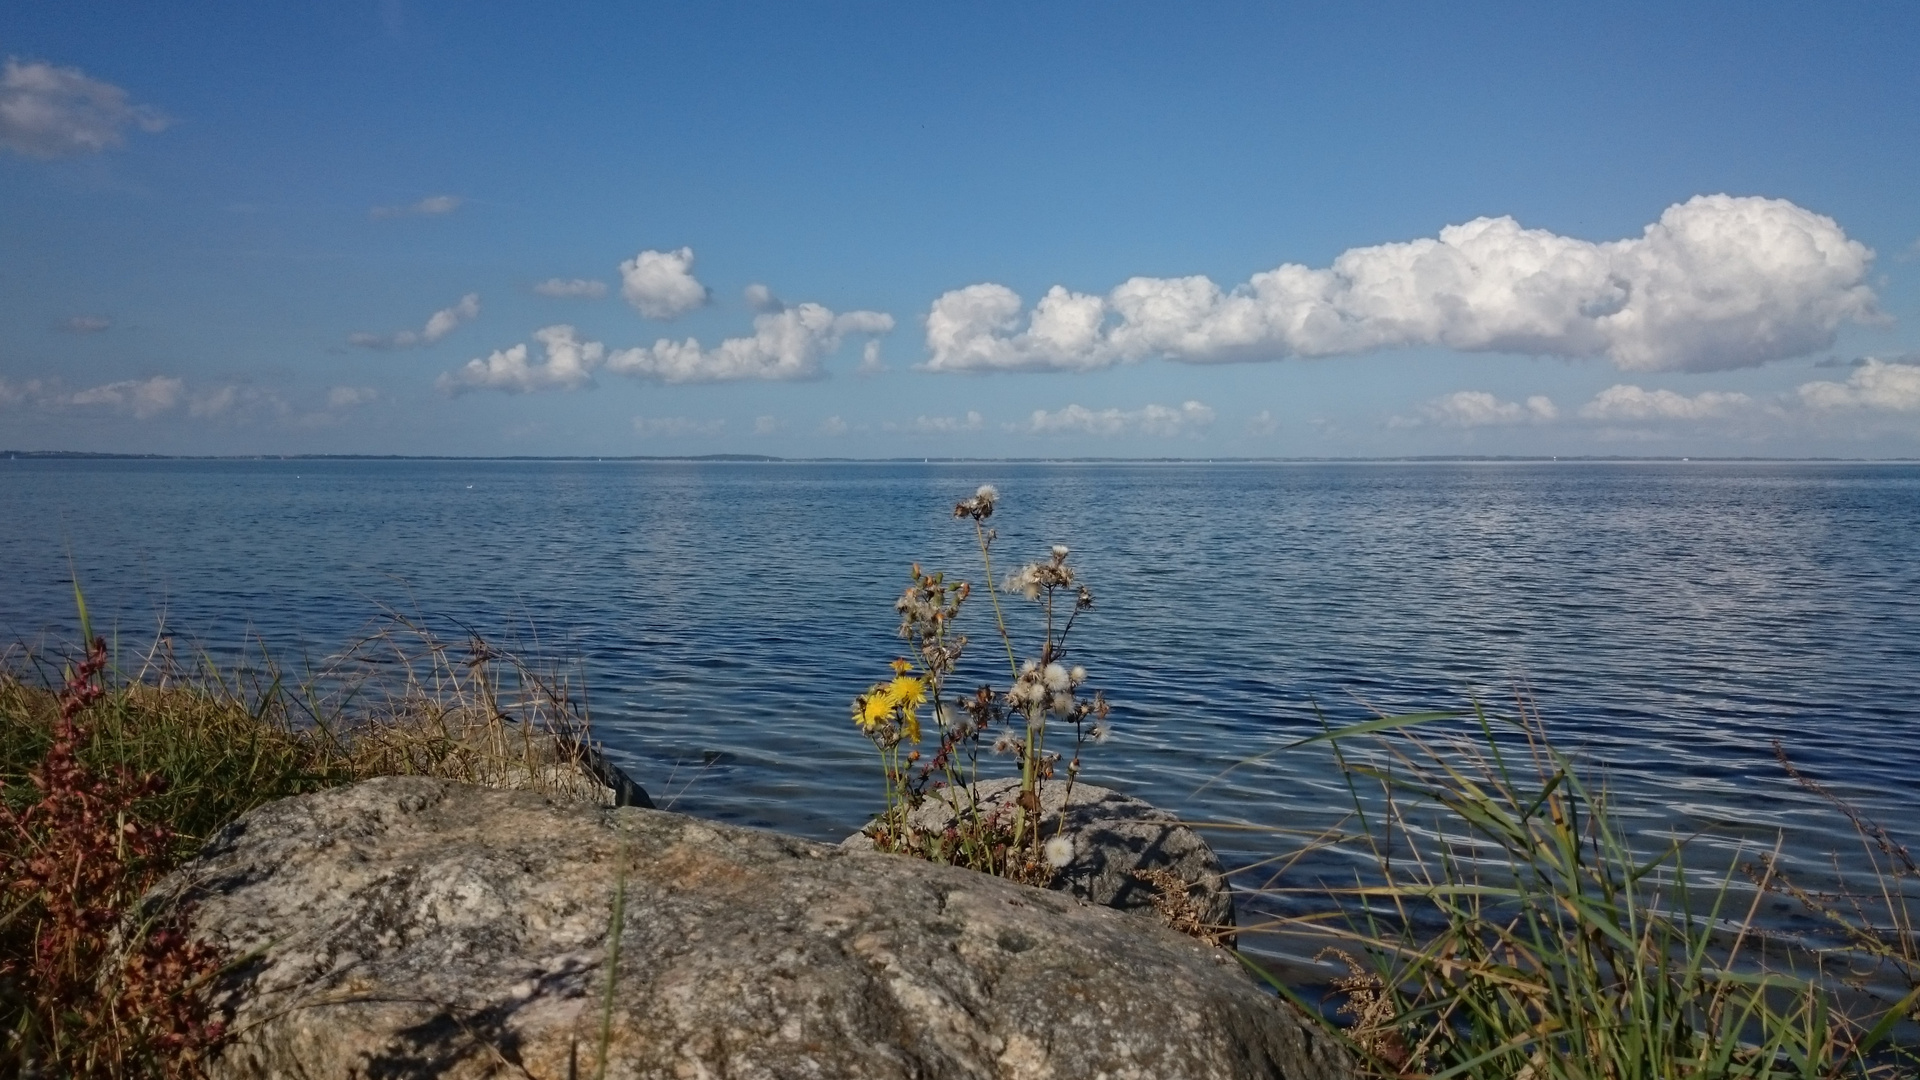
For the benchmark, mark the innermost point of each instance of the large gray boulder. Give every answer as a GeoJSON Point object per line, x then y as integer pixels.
{"type": "Point", "coordinates": [410, 927]}
{"type": "Point", "coordinates": [1126, 852]}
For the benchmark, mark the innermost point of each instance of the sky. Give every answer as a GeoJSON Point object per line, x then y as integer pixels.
{"type": "Point", "coordinates": [998, 230]}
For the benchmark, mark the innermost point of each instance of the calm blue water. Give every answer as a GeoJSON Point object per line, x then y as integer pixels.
{"type": "Point", "coordinates": [1670, 619]}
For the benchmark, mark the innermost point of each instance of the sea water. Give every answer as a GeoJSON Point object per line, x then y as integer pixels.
{"type": "Point", "coordinates": [1668, 620]}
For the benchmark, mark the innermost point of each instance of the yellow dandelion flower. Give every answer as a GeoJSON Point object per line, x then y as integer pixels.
{"type": "Point", "coordinates": [875, 708]}
{"type": "Point", "coordinates": [908, 692]}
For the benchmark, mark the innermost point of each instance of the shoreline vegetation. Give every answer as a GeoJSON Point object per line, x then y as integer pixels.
{"type": "Point", "coordinates": [1499, 921]}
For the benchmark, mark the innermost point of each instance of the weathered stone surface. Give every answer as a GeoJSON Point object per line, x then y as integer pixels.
{"type": "Point", "coordinates": [408, 927]}
{"type": "Point", "coordinates": [1113, 836]}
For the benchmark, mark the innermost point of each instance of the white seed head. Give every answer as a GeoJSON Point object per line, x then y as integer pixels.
{"type": "Point", "coordinates": [1059, 552]}
{"type": "Point", "coordinates": [1059, 851]}
{"type": "Point", "coordinates": [1078, 675]}
{"type": "Point", "coordinates": [987, 493]}
{"type": "Point", "coordinates": [1057, 677]}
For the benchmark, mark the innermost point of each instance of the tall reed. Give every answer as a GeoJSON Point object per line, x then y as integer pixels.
{"type": "Point", "coordinates": [1509, 926]}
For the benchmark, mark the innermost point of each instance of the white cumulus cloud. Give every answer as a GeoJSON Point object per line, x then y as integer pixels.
{"type": "Point", "coordinates": [568, 364]}
{"type": "Point", "coordinates": [661, 283]}
{"type": "Point", "coordinates": [583, 287]}
{"type": "Point", "coordinates": [1874, 384]}
{"type": "Point", "coordinates": [1477, 408]}
{"type": "Point", "coordinates": [431, 206]}
{"type": "Point", "coordinates": [55, 112]}
{"type": "Point", "coordinates": [1718, 282]}
{"type": "Point", "coordinates": [832, 425]}
{"type": "Point", "coordinates": [786, 344]}
{"type": "Point", "coordinates": [1157, 420]}
{"type": "Point", "coordinates": [1631, 403]}
{"type": "Point", "coordinates": [439, 325]}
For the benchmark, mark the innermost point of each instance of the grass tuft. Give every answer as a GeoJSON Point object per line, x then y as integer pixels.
{"type": "Point", "coordinates": [1506, 925]}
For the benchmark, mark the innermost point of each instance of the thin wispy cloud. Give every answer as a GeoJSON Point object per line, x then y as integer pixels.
{"type": "Point", "coordinates": [661, 285]}
{"type": "Point", "coordinates": [431, 206]}
{"type": "Point", "coordinates": [938, 425]}
{"type": "Point", "coordinates": [139, 398]}
{"type": "Point", "coordinates": [439, 325]}
{"type": "Point", "coordinates": [675, 427]}
{"type": "Point", "coordinates": [146, 399]}
{"type": "Point", "coordinates": [85, 324]}
{"type": "Point", "coordinates": [1158, 421]}
{"type": "Point", "coordinates": [1717, 283]}
{"type": "Point", "coordinates": [1478, 408]}
{"type": "Point", "coordinates": [351, 397]}
{"type": "Point", "coordinates": [58, 112]}
{"type": "Point", "coordinates": [572, 287]}
{"type": "Point", "coordinates": [1631, 404]}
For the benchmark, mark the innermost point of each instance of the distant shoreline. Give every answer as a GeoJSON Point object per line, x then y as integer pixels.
{"type": "Point", "coordinates": [768, 459]}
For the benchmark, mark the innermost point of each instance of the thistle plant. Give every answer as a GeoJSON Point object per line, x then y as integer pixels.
{"type": "Point", "coordinates": [1043, 690]}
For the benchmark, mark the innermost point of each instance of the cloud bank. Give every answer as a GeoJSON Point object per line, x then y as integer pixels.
{"type": "Point", "coordinates": [1718, 282]}
{"type": "Point", "coordinates": [439, 325]}
{"type": "Point", "coordinates": [661, 285]}
{"type": "Point", "coordinates": [56, 112]}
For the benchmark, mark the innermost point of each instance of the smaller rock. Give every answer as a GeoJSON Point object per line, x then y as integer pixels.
{"type": "Point", "coordinates": [1122, 850]}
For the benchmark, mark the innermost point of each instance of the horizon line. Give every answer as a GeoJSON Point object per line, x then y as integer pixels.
{"type": "Point", "coordinates": [768, 459]}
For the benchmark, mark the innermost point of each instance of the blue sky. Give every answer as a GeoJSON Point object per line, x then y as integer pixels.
{"type": "Point", "coordinates": [1351, 230]}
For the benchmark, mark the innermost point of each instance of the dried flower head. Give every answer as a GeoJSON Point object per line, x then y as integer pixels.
{"type": "Point", "coordinates": [1059, 851]}
{"type": "Point", "coordinates": [980, 507]}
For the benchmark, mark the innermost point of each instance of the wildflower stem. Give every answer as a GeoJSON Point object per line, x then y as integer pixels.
{"type": "Point", "coordinates": [999, 618]}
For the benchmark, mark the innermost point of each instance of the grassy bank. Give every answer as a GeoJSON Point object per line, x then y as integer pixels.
{"type": "Point", "coordinates": [1502, 924]}
{"type": "Point", "coordinates": [115, 768]}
